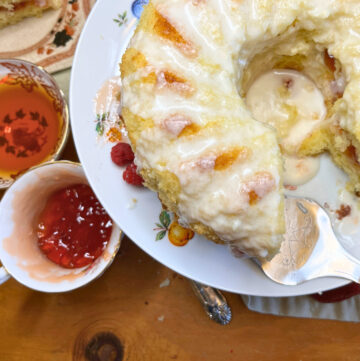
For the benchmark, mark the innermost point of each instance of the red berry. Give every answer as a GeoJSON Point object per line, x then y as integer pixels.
{"type": "Point", "coordinates": [338, 294]}
{"type": "Point", "coordinates": [130, 176]}
{"type": "Point", "coordinates": [122, 154]}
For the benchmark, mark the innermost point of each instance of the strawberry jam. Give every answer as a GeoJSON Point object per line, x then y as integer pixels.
{"type": "Point", "coordinates": [73, 229]}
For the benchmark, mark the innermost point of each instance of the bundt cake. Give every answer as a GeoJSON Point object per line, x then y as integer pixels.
{"type": "Point", "coordinates": [185, 79]}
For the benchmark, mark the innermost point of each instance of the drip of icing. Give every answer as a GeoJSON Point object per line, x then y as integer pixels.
{"type": "Point", "coordinates": [299, 171]}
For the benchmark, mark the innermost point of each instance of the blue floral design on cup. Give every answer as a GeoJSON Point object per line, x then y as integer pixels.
{"type": "Point", "coordinates": [137, 7]}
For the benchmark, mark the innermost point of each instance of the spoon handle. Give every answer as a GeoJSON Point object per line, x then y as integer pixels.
{"type": "Point", "coordinates": [345, 266]}
{"type": "Point", "coordinates": [213, 302]}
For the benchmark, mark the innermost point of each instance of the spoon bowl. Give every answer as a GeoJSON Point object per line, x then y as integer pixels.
{"type": "Point", "coordinates": [310, 248]}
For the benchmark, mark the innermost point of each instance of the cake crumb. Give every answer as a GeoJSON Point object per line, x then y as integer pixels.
{"type": "Point", "coordinates": [132, 203]}
{"type": "Point", "coordinates": [343, 211]}
{"type": "Point", "coordinates": [290, 187]}
{"type": "Point", "coordinates": [288, 82]}
{"type": "Point", "coordinates": [165, 283]}
{"type": "Point", "coordinates": [161, 318]}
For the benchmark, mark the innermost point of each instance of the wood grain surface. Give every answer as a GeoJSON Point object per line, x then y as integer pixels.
{"type": "Point", "coordinates": [126, 315]}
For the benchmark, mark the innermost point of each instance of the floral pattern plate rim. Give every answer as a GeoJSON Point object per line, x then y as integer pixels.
{"type": "Point", "coordinates": [98, 54]}
{"type": "Point", "coordinates": [49, 41]}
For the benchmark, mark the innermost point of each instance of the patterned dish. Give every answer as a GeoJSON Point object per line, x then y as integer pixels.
{"type": "Point", "coordinates": [137, 210]}
{"type": "Point", "coordinates": [50, 40]}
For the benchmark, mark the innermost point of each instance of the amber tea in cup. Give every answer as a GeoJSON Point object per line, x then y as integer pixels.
{"type": "Point", "coordinates": [33, 118]}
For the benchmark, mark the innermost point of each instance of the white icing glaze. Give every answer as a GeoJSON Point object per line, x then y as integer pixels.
{"type": "Point", "coordinates": [298, 171]}
{"type": "Point", "coordinates": [288, 101]}
{"type": "Point", "coordinates": [217, 197]}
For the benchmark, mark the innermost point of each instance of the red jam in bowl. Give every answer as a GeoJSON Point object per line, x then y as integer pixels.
{"type": "Point", "coordinates": [73, 229]}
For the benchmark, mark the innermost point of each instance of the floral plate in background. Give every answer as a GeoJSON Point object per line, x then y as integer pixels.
{"type": "Point", "coordinates": [48, 41]}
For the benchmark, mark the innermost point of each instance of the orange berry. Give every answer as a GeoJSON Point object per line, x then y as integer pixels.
{"type": "Point", "coordinates": [178, 235]}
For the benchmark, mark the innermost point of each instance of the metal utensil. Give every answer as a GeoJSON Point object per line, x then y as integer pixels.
{"type": "Point", "coordinates": [310, 248]}
{"type": "Point", "coordinates": [213, 302]}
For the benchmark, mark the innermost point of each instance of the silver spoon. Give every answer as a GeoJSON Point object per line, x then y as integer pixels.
{"type": "Point", "coordinates": [310, 248]}
{"type": "Point", "coordinates": [213, 302]}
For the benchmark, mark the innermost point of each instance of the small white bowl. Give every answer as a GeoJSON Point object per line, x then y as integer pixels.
{"type": "Point", "coordinates": [19, 211]}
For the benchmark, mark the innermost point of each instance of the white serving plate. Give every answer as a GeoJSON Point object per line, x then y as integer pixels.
{"type": "Point", "coordinates": [98, 54]}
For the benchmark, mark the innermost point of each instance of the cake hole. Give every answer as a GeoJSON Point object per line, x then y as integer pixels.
{"type": "Point", "coordinates": [296, 50]}
{"type": "Point", "coordinates": [288, 101]}
{"type": "Point", "coordinates": [293, 84]}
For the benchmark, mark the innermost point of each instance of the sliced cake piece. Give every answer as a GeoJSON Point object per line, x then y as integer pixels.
{"type": "Point", "coordinates": [13, 11]}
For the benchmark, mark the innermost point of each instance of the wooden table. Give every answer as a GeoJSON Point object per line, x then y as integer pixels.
{"type": "Point", "coordinates": [126, 315]}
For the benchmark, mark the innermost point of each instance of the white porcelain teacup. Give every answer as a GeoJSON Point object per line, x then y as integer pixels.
{"type": "Point", "coordinates": [19, 251]}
